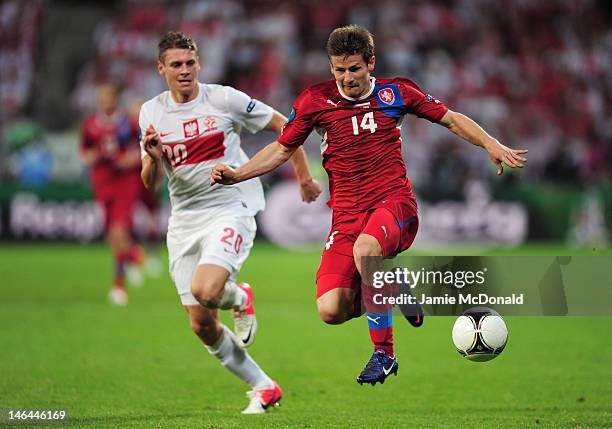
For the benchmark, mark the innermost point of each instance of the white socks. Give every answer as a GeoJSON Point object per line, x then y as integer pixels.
{"type": "Point", "coordinates": [233, 297]}
{"type": "Point", "coordinates": [230, 354]}
{"type": "Point", "coordinates": [238, 361]}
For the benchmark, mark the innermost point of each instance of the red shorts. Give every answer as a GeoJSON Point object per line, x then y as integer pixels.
{"type": "Point", "coordinates": [394, 224]}
{"type": "Point", "coordinates": [118, 201]}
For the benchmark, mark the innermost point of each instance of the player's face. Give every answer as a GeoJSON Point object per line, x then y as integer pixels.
{"type": "Point", "coordinates": [352, 73]}
{"type": "Point", "coordinates": [108, 99]}
{"type": "Point", "coordinates": [180, 68]}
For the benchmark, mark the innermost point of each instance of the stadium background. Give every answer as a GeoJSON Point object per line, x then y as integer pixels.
{"type": "Point", "coordinates": [535, 74]}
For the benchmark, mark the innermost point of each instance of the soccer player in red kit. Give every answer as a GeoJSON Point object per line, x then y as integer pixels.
{"type": "Point", "coordinates": [374, 209]}
{"type": "Point", "coordinates": [110, 147]}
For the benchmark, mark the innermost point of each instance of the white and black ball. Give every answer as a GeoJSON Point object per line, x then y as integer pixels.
{"type": "Point", "coordinates": [480, 334]}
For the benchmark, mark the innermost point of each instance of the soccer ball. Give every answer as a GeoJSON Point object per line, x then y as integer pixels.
{"type": "Point", "coordinates": [480, 334]}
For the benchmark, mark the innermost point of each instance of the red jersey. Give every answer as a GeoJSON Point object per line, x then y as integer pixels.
{"type": "Point", "coordinates": [112, 139]}
{"type": "Point", "coordinates": [361, 144]}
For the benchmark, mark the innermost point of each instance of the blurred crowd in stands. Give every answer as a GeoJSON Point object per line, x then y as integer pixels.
{"type": "Point", "coordinates": [19, 30]}
{"type": "Point", "coordinates": [536, 74]}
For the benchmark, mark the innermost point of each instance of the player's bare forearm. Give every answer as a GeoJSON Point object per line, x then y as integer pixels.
{"type": "Point", "coordinates": [309, 188]}
{"type": "Point", "coordinates": [470, 131]}
{"type": "Point", "coordinates": [152, 170]}
{"type": "Point", "coordinates": [467, 129]}
{"type": "Point", "coordinates": [151, 173]}
{"type": "Point", "coordinates": [299, 161]}
{"type": "Point", "coordinates": [270, 157]}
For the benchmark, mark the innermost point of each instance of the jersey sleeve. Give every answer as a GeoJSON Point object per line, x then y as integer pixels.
{"type": "Point", "coordinates": [300, 122]}
{"type": "Point", "coordinates": [419, 103]}
{"type": "Point", "coordinates": [246, 111]}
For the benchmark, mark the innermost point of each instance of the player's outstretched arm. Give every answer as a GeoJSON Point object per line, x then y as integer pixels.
{"type": "Point", "coordinates": [152, 172]}
{"type": "Point", "coordinates": [264, 161]}
{"type": "Point", "coordinates": [470, 131]}
{"type": "Point", "coordinates": [309, 188]}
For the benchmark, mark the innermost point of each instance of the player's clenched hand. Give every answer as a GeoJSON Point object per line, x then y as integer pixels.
{"type": "Point", "coordinates": [152, 143]}
{"type": "Point", "coordinates": [310, 190]}
{"type": "Point", "coordinates": [511, 157]}
{"type": "Point", "coordinates": [222, 174]}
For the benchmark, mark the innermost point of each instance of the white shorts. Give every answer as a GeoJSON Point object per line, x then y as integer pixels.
{"type": "Point", "coordinates": [223, 240]}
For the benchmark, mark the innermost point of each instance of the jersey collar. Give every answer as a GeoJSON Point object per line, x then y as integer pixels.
{"type": "Point", "coordinates": [189, 104]}
{"type": "Point", "coordinates": [364, 96]}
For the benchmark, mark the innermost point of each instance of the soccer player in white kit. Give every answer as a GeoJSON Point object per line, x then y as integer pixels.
{"type": "Point", "coordinates": [185, 132]}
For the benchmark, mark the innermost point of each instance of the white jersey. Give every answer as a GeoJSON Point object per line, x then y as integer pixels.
{"type": "Point", "coordinates": [199, 134]}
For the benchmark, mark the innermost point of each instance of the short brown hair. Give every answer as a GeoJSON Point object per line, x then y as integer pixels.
{"type": "Point", "coordinates": [351, 40]}
{"type": "Point", "coordinates": [175, 40]}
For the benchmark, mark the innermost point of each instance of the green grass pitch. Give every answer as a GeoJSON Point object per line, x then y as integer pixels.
{"type": "Point", "coordinates": [63, 347]}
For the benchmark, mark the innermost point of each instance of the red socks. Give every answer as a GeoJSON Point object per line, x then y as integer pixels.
{"type": "Point", "coordinates": [380, 317]}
